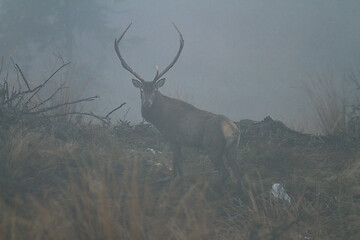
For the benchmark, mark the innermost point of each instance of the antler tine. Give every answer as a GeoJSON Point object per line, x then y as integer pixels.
{"type": "Point", "coordinates": [157, 71]}
{"type": "Point", "coordinates": [159, 75]}
{"type": "Point", "coordinates": [123, 63]}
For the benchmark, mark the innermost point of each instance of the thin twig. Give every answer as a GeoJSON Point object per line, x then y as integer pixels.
{"type": "Point", "coordinates": [355, 81]}
{"type": "Point", "coordinates": [107, 115]}
{"type": "Point", "coordinates": [34, 90]}
{"type": "Point", "coordinates": [17, 72]}
{"type": "Point", "coordinates": [60, 57]}
{"type": "Point", "coordinates": [13, 92]}
{"type": "Point", "coordinates": [125, 115]}
{"type": "Point", "coordinates": [17, 104]}
{"type": "Point", "coordinates": [23, 76]}
{"type": "Point", "coordinates": [50, 97]}
{"type": "Point", "coordinates": [37, 89]}
{"type": "Point", "coordinates": [18, 78]}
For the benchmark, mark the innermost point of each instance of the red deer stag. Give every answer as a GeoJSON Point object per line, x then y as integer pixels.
{"type": "Point", "coordinates": [182, 124]}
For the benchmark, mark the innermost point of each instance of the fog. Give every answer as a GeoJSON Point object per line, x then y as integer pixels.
{"type": "Point", "coordinates": [243, 59]}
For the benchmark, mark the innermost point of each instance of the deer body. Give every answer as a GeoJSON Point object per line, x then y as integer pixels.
{"type": "Point", "coordinates": [178, 121]}
{"type": "Point", "coordinates": [182, 124]}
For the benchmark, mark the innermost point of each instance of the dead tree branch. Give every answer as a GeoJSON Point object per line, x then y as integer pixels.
{"type": "Point", "coordinates": [62, 105]}
{"type": "Point", "coordinates": [23, 76]}
{"type": "Point", "coordinates": [107, 115]}
{"type": "Point", "coordinates": [38, 88]}
{"type": "Point", "coordinates": [102, 119]}
{"type": "Point", "coordinates": [15, 103]}
{"type": "Point", "coordinates": [50, 97]}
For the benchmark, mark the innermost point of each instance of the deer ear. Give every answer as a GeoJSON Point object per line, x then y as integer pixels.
{"type": "Point", "coordinates": [159, 83]}
{"type": "Point", "coordinates": [137, 83]}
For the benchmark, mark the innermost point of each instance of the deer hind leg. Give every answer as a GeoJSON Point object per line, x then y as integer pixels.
{"type": "Point", "coordinates": [231, 156]}
{"type": "Point", "coordinates": [216, 158]}
{"type": "Point", "coordinates": [177, 159]}
{"type": "Point", "coordinates": [232, 136]}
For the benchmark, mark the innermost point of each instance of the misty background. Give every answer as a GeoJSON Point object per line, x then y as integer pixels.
{"type": "Point", "coordinates": [243, 59]}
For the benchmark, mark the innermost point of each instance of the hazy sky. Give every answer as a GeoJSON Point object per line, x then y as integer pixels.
{"type": "Point", "coordinates": [245, 59]}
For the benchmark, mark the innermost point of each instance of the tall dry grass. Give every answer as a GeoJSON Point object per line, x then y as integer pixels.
{"type": "Point", "coordinates": [96, 188]}
{"type": "Point", "coordinates": [84, 190]}
{"type": "Point", "coordinates": [337, 105]}
{"type": "Point", "coordinates": [329, 103]}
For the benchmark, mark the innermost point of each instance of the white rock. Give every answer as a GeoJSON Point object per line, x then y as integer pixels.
{"type": "Point", "coordinates": [279, 192]}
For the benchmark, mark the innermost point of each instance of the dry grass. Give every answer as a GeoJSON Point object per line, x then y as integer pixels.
{"type": "Point", "coordinates": [94, 188]}
{"type": "Point", "coordinates": [328, 102]}
{"type": "Point", "coordinates": [83, 190]}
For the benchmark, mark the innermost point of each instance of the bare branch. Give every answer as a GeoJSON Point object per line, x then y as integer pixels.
{"type": "Point", "coordinates": [38, 88]}
{"type": "Point", "coordinates": [107, 115]}
{"type": "Point", "coordinates": [60, 57]}
{"type": "Point", "coordinates": [23, 77]}
{"type": "Point", "coordinates": [102, 119]}
{"type": "Point", "coordinates": [354, 80]}
{"type": "Point", "coordinates": [17, 68]}
{"type": "Point", "coordinates": [18, 78]}
{"type": "Point", "coordinates": [17, 104]}
{"type": "Point", "coordinates": [51, 96]}
{"type": "Point", "coordinates": [62, 104]}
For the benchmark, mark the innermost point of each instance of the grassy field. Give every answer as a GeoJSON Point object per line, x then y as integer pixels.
{"type": "Point", "coordinates": [106, 183]}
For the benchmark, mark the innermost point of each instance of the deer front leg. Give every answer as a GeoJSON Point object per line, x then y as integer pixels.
{"type": "Point", "coordinates": [177, 159]}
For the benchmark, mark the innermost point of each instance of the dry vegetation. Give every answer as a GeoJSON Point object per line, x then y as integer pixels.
{"type": "Point", "coordinates": [97, 187]}
{"type": "Point", "coordinates": [104, 182]}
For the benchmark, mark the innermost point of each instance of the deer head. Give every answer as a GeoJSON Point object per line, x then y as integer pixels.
{"type": "Point", "coordinates": [148, 89]}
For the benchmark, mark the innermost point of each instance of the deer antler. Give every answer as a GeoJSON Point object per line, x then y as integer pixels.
{"type": "Point", "coordinates": [123, 63]}
{"type": "Point", "coordinates": [159, 75]}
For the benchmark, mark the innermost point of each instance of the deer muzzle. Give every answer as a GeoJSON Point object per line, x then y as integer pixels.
{"type": "Point", "coordinates": [147, 103]}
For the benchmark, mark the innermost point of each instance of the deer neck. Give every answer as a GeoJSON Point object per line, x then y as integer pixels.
{"type": "Point", "coordinates": [154, 114]}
